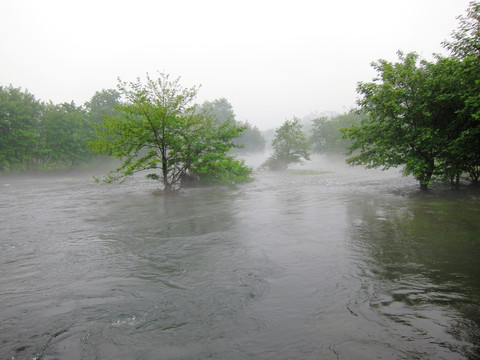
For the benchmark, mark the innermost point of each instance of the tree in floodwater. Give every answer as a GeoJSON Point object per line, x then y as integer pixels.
{"type": "Point", "coordinates": [463, 153]}
{"type": "Point", "coordinates": [401, 129]}
{"type": "Point", "coordinates": [423, 116]}
{"type": "Point", "coordinates": [290, 146]}
{"type": "Point", "coordinates": [454, 103]}
{"type": "Point", "coordinates": [158, 127]}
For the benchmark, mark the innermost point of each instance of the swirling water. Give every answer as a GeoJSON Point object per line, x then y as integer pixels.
{"type": "Point", "coordinates": [319, 262]}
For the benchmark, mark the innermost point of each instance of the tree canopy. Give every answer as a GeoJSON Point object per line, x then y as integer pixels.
{"type": "Point", "coordinates": [160, 128]}
{"type": "Point", "coordinates": [421, 115]}
{"type": "Point", "coordinates": [425, 116]}
{"type": "Point", "coordinates": [20, 115]}
{"type": "Point", "coordinates": [290, 146]}
{"type": "Point", "coordinates": [466, 39]}
{"type": "Point", "coordinates": [250, 140]}
{"type": "Point", "coordinates": [102, 103]}
{"type": "Point", "coordinates": [326, 137]}
{"type": "Point", "coordinates": [221, 109]}
{"type": "Point", "coordinates": [64, 132]}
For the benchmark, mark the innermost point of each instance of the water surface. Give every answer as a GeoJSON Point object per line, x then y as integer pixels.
{"type": "Point", "coordinates": [322, 261]}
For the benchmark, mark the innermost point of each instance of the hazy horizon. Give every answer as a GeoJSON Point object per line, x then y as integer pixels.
{"type": "Point", "coordinates": [270, 60]}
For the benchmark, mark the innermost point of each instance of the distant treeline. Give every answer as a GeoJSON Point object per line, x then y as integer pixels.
{"type": "Point", "coordinates": [324, 132]}
{"type": "Point", "coordinates": [37, 135]}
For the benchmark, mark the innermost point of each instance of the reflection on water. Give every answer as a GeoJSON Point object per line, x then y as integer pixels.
{"type": "Point", "coordinates": [417, 269]}
{"type": "Point", "coordinates": [333, 263]}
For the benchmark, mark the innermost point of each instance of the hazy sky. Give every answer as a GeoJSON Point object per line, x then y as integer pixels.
{"type": "Point", "coordinates": [271, 59]}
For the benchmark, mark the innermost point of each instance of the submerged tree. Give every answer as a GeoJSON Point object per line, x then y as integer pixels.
{"type": "Point", "coordinates": [400, 129]}
{"type": "Point", "coordinates": [463, 153]}
{"type": "Point", "coordinates": [160, 128]}
{"type": "Point", "coordinates": [290, 146]}
{"type": "Point", "coordinates": [423, 116]}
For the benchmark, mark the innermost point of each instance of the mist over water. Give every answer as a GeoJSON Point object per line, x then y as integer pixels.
{"type": "Point", "coordinates": [322, 261]}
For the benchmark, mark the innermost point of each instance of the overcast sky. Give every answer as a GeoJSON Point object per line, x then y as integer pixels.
{"type": "Point", "coordinates": [271, 59]}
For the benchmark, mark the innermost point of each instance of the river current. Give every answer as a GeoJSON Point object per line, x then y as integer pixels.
{"type": "Point", "coordinates": [322, 261]}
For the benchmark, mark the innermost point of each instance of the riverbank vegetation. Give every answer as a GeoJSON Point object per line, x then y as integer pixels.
{"type": "Point", "coordinates": [325, 135]}
{"type": "Point", "coordinates": [43, 136]}
{"type": "Point", "coordinates": [35, 135]}
{"type": "Point", "coordinates": [422, 116]}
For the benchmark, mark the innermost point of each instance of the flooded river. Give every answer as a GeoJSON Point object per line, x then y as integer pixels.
{"type": "Point", "coordinates": [320, 262]}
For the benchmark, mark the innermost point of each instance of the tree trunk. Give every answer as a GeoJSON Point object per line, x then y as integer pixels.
{"type": "Point", "coordinates": [427, 176]}
{"type": "Point", "coordinates": [424, 181]}
{"type": "Point", "coordinates": [423, 186]}
{"type": "Point", "coordinates": [167, 185]}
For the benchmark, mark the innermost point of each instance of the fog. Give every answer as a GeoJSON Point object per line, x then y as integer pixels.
{"type": "Point", "coordinates": [271, 59]}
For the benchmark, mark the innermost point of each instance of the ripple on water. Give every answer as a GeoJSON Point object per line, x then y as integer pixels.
{"type": "Point", "coordinates": [319, 262]}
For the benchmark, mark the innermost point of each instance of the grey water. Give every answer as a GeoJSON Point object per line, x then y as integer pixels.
{"type": "Point", "coordinates": [322, 261]}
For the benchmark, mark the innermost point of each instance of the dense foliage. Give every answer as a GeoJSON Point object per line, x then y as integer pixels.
{"type": "Point", "coordinates": [466, 39]}
{"type": "Point", "coordinates": [36, 135]}
{"type": "Point", "coordinates": [325, 135]}
{"type": "Point", "coordinates": [159, 128]}
{"type": "Point", "coordinates": [421, 116]}
{"type": "Point", "coordinates": [250, 140]}
{"type": "Point", "coordinates": [290, 146]}
{"type": "Point", "coordinates": [20, 115]}
{"type": "Point", "coordinates": [64, 132]}
{"type": "Point", "coordinates": [424, 116]}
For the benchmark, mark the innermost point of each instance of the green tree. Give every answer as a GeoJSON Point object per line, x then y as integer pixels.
{"type": "Point", "coordinates": [424, 116]}
{"type": "Point", "coordinates": [401, 129]}
{"type": "Point", "coordinates": [221, 109]}
{"type": "Point", "coordinates": [101, 104]}
{"type": "Point", "coordinates": [469, 136]}
{"type": "Point", "coordinates": [159, 128]}
{"type": "Point", "coordinates": [251, 140]}
{"type": "Point", "coordinates": [326, 136]}
{"type": "Point", "coordinates": [19, 119]}
{"type": "Point", "coordinates": [463, 152]}
{"type": "Point", "coordinates": [319, 134]}
{"type": "Point", "coordinates": [466, 39]}
{"type": "Point", "coordinates": [456, 102]}
{"type": "Point", "coordinates": [64, 133]}
{"type": "Point", "coordinates": [290, 146]}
